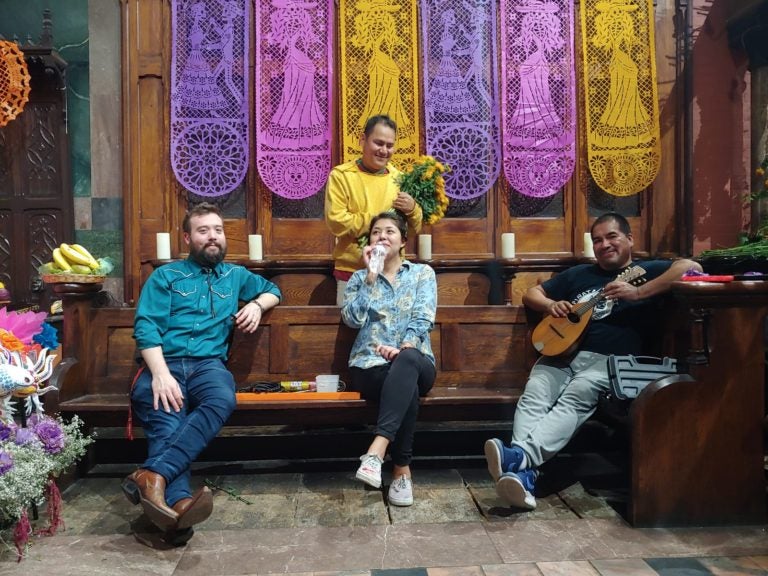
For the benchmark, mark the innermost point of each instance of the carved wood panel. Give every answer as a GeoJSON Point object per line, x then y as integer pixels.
{"type": "Point", "coordinates": [36, 212]}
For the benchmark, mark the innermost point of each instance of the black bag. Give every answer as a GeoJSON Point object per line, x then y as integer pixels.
{"type": "Point", "coordinates": [630, 374]}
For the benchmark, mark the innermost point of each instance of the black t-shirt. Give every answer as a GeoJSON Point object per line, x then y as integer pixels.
{"type": "Point", "coordinates": [617, 327]}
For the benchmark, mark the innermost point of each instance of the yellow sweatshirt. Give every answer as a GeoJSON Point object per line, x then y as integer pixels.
{"type": "Point", "coordinates": [352, 198]}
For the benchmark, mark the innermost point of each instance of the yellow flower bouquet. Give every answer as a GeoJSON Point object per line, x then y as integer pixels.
{"type": "Point", "coordinates": [424, 182]}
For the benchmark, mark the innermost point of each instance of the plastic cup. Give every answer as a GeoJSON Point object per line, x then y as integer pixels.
{"type": "Point", "coordinates": [327, 382]}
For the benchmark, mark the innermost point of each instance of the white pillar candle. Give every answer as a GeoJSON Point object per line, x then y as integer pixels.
{"type": "Point", "coordinates": [425, 246]}
{"type": "Point", "coordinates": [163, 246]}
{"type": "Point", "coordinates": [508, 245]}
{"type": "Point", "coordinates": [589, 250]}
{"type": "Point", "coordinates": [254, 247]}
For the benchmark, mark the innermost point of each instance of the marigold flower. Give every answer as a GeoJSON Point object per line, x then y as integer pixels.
{"type": "Point", "coordinates": [760, 171]}
{"type": "Point", "coordinates": [10, 342]}
{"type": "Point", "coordinates": [423, 181]}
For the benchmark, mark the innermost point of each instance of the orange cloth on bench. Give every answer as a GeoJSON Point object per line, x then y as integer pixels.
{"type": "Point", "coordinates": [280, 396]}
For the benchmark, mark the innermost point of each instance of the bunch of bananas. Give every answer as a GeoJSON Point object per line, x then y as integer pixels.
{"type": "Point", "coordinates": [73, 259]}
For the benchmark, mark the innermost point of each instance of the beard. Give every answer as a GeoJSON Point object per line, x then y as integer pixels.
{"type": "Point", "coordinates": [207, 258]}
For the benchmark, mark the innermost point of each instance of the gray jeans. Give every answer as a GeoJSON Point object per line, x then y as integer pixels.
{"type": "Point", "coordinates": [561, 393]}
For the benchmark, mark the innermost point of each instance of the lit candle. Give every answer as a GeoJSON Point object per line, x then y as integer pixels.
{"type": "Point", "coordinates": [589, 250]}
{"type": "Point", "coordinates": [254, 247]}
{"type": "Point", "coordinates": [508, 245]}
{"type": "Point", "coordinates": [163, 246]}
{"type": "Point", "coordinates": [425, 246]}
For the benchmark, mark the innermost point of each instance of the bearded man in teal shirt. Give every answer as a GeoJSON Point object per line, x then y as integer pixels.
{"type": "Point", "coordinates": [184, 393]}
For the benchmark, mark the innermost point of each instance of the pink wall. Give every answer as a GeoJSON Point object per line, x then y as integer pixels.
{"type": "Point", "coordinates": [721, 132]}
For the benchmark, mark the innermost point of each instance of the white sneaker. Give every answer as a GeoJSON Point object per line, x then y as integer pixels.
{"type": "Point", "coordinates": [401, 492]}
{"type": "Point", "coordinates": [370, 470]}
{"type": "Point", "coordinates": [516, 489]}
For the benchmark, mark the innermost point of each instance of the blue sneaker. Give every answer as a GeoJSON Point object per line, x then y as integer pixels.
{"type": "Point", "coordinates": [516, 489]}
{"type": "Point", "coordinates": [501, 458]}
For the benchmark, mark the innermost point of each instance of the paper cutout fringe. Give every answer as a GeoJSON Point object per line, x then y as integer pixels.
{"type": "Point", "coordinates": [14, 82]}
{"type": "Point", "coordinates": [622, 106]}
{"type": "Point", "coordinates": [209, 96]}
{"type": "Point", "coordinates": [461, 93]}
{"type": "Point", "coordinates": [379, 73]}
{"type": "Point", "coordinates": [539, 96]}
{"type": "Point", "coordinates": [294, 78]}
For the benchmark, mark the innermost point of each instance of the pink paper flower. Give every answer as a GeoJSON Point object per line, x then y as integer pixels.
{"type": "Point", "coordinates": [23, 325]}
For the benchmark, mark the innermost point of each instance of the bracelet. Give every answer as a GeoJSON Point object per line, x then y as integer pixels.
{"type": "Point", "coordinates": [259, 305]}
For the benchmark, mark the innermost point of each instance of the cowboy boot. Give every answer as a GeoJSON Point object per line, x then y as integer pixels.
{"type": "Point", "coordinates": [148, 488]}
{"type": "Point", "coordinates": [195, 509]}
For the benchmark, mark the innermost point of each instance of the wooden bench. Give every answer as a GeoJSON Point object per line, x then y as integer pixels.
{"type": "Point", "coordinates": [696, 440]}
{"type": "Point", "coordinates": [480, 353]}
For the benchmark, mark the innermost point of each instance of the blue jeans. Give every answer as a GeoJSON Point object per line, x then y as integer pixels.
{"type": "Point", "coordinates": [175, 439]}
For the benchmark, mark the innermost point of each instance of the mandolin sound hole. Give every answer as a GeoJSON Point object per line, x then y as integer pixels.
{"type": "Point", "coordinates": [573, 318]}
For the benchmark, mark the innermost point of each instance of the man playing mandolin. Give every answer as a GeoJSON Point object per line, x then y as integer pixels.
{"type": "Point", "coordinates": [591, 311]}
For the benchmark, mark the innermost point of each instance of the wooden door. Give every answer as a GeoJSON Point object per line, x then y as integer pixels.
{"type": "Point", "coordinates": [36, 205]}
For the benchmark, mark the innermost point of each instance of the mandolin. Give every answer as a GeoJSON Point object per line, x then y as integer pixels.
{"type": "Point", "coordinates": [556, 336]}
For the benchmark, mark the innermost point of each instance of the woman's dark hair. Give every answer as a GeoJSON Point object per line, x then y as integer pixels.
{"type": "Point", "coordinates": [396, 217]}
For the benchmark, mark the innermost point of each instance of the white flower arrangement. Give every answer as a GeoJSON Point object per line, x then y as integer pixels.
{"type": "Point", "coordinates": [32, 455]}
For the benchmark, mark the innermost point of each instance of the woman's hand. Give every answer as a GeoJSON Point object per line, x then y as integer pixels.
{"type": "Point", "coordinates": [370, 278]}
{"type": "Point", "coordinates": [389, 353]}
{"type": "Point", "coordinates": [367, 254]}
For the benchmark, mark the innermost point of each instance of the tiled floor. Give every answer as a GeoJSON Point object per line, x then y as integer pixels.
{"type": "Point", "coordinates": [312, 524]}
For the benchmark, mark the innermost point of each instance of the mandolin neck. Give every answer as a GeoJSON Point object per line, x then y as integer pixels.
{"type": "Point", "coordinates": [583, 307]}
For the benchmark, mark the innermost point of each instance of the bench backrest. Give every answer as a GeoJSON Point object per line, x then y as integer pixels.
{"type": "Point", "coordinates": [475, 346]}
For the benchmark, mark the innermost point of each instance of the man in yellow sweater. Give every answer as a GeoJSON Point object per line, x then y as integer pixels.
{"type": "Point", "coordinates": [360, 189]}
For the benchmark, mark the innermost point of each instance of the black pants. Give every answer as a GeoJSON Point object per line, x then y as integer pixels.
{"type": "Point", "coordinates": [397, 387]}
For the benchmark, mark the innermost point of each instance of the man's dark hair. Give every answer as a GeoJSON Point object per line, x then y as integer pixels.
{"type": "Point", "coordinates": [624, 227]}
{"type": "Point", "coordinates": [199, 210]}
{"type": "Point", "coordinates": [373, 121]}
{"type": "Point", "coordinates": [397, 217]}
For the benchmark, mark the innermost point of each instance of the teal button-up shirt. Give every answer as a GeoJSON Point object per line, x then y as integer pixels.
{"type": "Point", "coordinates": [188, 309]}
{"type": "Point", "coordinates": [391, 314]}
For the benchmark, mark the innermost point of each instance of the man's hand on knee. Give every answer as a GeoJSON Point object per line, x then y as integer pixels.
{"type": "Point", "coordinates": [166, 391]}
